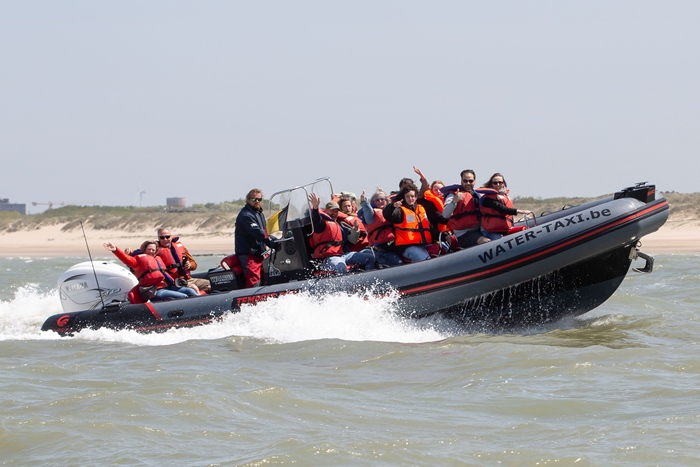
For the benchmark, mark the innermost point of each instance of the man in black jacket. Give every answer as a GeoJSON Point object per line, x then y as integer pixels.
{"type": "Point", "coordinates": [251, 239]}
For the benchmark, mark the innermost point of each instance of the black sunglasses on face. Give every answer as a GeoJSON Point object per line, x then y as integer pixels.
{"type": "Point", "coordinates": [255, 200]}
{"type": "Point", "coordinates": [164, 237]}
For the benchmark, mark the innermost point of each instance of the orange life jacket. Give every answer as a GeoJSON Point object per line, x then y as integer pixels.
{"type": "Point", "coordinates": [173, 264]}
{"type": "Point", "coordinates": [492, 220]}
{"type": "Point", "coordinates": [465, 215]}
{"type": "Point", "coordinates": [380, 231]}
{"type": "Point", "coordinates": [415, 228]}
{"type": "Point", "coordinates": [329, 242]}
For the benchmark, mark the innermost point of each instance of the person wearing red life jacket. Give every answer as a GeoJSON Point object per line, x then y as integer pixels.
{"type": "Point", "coordinates": [431, 198]}
{"type": "Point", "coordinates": [433, 202]}
{"type": "Point", "coordinates": [496, 208]}
{"type": "Point", "coordinates": [329, 239]}
{"type": "Point", "coordinates": [380, 232]}
{"type": "Point", "coordinates": [462, 211]}
{"type": "Point", "coordinates": [411, 226]}
{"type": "Point", "coordinates": [346, 207]}
{"type": "Point", "coordinates": [178, 261]}
{"type": "Point", "coordinates": [150, 272]}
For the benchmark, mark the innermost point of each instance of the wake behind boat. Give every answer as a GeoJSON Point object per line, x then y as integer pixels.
{"type": "Point", "coordinates": [564, 264]}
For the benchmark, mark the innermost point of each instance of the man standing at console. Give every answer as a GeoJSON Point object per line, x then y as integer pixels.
{"type": "Point", "coordinates": [251, 239]}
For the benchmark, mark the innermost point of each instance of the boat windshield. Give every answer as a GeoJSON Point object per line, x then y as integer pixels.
{"type": "Point", "coordinates": [293, 203]}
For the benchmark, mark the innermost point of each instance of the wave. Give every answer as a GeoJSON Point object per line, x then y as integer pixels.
{"type": "Point", "coordinates": [287, 319]}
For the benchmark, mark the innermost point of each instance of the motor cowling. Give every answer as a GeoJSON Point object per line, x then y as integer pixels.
{"type": "Point", "coordinates": [80, 285]}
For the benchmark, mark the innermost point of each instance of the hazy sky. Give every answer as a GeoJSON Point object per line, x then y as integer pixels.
{"type": "Point", "coordinates": [205, 100]}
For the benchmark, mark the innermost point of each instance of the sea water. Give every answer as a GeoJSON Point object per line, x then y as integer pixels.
{"type": "Point", "coordinates": [341, 380]}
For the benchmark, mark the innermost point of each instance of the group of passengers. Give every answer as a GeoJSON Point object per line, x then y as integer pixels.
{"type": "Point", "coordinates": [410, 225]}
{"type": "Point", "coordinates": [163, 269]}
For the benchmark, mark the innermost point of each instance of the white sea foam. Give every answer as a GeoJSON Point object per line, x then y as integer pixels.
{"type": "Point", "coordinates": [22, 316]}
{"type": "Point", "coordinates": [291, 318]}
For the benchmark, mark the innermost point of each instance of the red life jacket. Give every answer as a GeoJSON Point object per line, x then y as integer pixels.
{"type": "Point", "coordinates": [362, 242]}
{"type": "Point", "coordinates": [415, 228]}
{"type": "Point", "coordinates": [439, 205]}
{"type": "Point", "coordinates": [329, 242]}
{"type": "Point", "coordinates": [492, 220]}
{"type": "Point", "coordinates": [172, 262]}
{"type": "Point", "coordinates": [465, 215]}
{"type": "Point", "coordinates": [148, 271]}
{"type": "Point", "coordinates": [380, 231]}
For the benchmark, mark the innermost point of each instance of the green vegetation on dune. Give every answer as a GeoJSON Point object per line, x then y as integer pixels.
{"type": "Point", "coordinates": [213, 217]}
{"type": "Point", "coordinates": [208, 217]}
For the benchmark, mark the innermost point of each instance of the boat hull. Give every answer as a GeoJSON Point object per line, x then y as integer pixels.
{"type": "Point", "coordinates": [571, 262]}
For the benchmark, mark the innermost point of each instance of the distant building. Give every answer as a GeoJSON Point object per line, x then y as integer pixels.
{"type": "Point", "coordinates": [176, 202]}
{"type": "Point", "coordinates": [5, 205]}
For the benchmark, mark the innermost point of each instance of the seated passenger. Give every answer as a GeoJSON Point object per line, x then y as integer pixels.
{"type": "Point", "coordinates": [329, 240]}
{"type": "Point", "coordinates": [178, 261]}
{"type": "Point", "coordinates": [411, 226]}
{"type": "Point", "coordinates": [433, 201]}
{"type": "Point", "coordinates": [496, 208]}
{"type": "Point", "coordinates": [380, 232]}
{"type": "Point", "coordinates": [349, 217]}
{"type": "Point", "coordinates": [150, 273]}
{"type": "Point", "coordinates": [353, 201]}
{"type": "Point", "coordinates": [462, 211]}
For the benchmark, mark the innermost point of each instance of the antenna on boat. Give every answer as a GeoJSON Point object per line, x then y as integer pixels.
{"type": "Point", "coordinates": [99, 289]}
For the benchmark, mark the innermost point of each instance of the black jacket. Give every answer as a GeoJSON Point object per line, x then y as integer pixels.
{"type": "Point", "coordinates": [250, 237]}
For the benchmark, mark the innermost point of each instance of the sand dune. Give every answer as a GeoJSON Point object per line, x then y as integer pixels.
{"type": "Point", "coordinates": [52, 242]}
{"type": "Point", "coordinates": [675, 237]}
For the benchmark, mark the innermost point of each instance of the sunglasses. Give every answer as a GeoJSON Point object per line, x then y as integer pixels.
{"type": "Point", "coordinates": [164, 237]}
{"type": "Point", "coordinates": [466, 180]}
{"type": "Point", "coordinates": [498, 183]}
{"type": "Point", "coordinates": [380, 199]}
{"type": "Point", "coordinates": [255, 200]}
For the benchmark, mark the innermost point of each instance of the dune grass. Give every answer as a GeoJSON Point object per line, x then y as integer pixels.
{"type": "Point", "coordinates": [212, 218]}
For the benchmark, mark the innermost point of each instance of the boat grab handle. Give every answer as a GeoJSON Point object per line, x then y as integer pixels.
{"type": "Point", "coordinates": [534, 221]}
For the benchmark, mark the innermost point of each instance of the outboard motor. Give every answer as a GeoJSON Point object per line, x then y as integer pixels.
{"type": "Point", "coordinates": [641, 191]}
{"type": "Point", "coordinates": [79, 290]}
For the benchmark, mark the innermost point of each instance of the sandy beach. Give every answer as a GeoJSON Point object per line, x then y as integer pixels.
{"type": "Point", "coordinates": [675, 237]}
{"type": "Point", "coordinates": [52, 242]}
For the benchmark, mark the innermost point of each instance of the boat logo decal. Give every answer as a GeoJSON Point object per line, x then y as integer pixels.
{"type": "Point", "coordinates": [262, 297]}
{"type": "Point", "coordinates": [62, 321]}
{"type": "Point", "coordinates": [513, 241]}
{"type": "Point", "coordinates": [76, 286]}
{"type": "Point", "coordinates": [222, 278]}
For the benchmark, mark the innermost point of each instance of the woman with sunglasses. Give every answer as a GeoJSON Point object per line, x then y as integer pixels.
{"type": "Point", "coordinates": [496, 208]}
{"type": "Point", "coordinates": [380, 232]}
